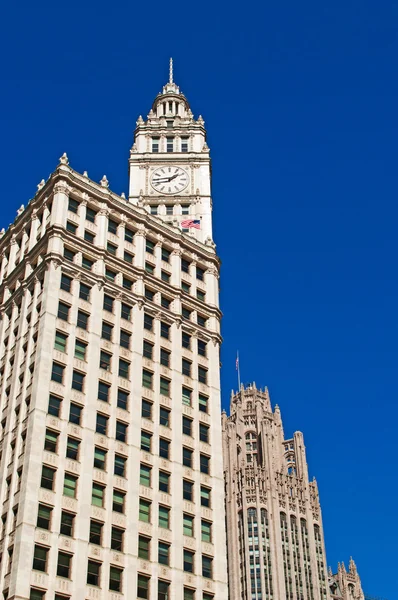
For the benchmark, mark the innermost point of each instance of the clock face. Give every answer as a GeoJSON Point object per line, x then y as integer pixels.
{"type": "Point", "coordinates": [169, 180]}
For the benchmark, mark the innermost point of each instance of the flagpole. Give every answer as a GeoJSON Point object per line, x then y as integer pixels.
{"type": "Point", "coordinates": [238, 367]}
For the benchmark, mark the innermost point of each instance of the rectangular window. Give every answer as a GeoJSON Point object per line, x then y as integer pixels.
{"type": "Point", "coordinates": [185, 209]}
{"type": "Point", "coordinates": [149, 294]}
{"type": "Point", "coordinates": [44, 516]}
{"type": "Point", "coordinates": [143, 586]}
{"type": "Point", "coordinates": [149, 247]}
{"type": "Point", "coordinates": [70, 485]}
{"type": "Point", "coordinates": [166, 253]}
{"type": "Point", "coordinates": [163, 553]}
{"type": "Point", "coordinates": [164, 357]}
{"type": "Point", "coordinates": [146, 409]}
{"type": "Point", "coordinates": [186, 426]}
{"type": "Point", "coordinates": [186, 313]}
{"type": "Point", "coordinates": [98, 495]}
{"type": "Point", "coordinates": [122, 399]}
{"type": "Point", "coordinates": [202, 348]}
{"type": "Point", "coordinates": [144, 547]}
{"type": "Point", "coordinates": [51, 440]}
{"type": "Point", "coordinates": [186, 341]}
{"type": "Point", "coordinates": [106, 331]}
{"type": "Point", "coordinates": [204, 464]}
{"type": "Point", "coordinates": [164, 330]}
{"type": "Point", "coordinates": [205, 496]}
{"type": "Point", "coordinates": [144, 511]}
{"type": "Point", "coordinates": [96, 532]}
{"type": "Point", "coordinates": [164, 448]}
{"type": "Point", "coordinates": [73, 205]}
{"type": "Point", "coordinates": [165, 277]}
{"type": "Point", "coordinates": [155, 148]}
{"type": "Point", "coordinates": [147, 350]}
{"type": "Point", "coordinates": [115, 579]}
{"type": "Point", "coordinates": [118, 501]}
{"type": "Point", "coordinates": [187, 457]}
{"type": "Point", "coordinates": [99, 458]}
{"type": "Point", "coordinates": [165, 386]}
{"type": "Point", "coordinates": [207, 567]}
{"type": "Point", "coordinates": [63, 311]}
{"type": "Point", "coordinates": [148, 322]}
{"type": "Point", "coordinates": [124, 368]}
{"type": "Point", "coordinates": [203, 403]}
{"type": "Point", "coordinates": [103, 391]}
{"type": "Point", "coordinates": [206, 531]}
{"type": "Point", "coordinates": [125, 339]}
{"type": "Point", "coordinates": [164, 417]}
{"type": "Point", "coordinates": [101, 426]}
{"type": "Point", "coordinates": [204, 433]}
{"type": "Point", "coordinates": [112, 249]}
{"type": "Point", "coordinates": [126, 312]}
{"type": "Point", "coordinates": [188, 561]}
{"type": "Point", "coordinates": [128, 257]}
{"type": "Point", "coordinates": [185, 287]}
{"type": "Point", "coordinates": [187, 522]}
{"type": "Point", "coordinates": [165, 302]}
{"type": "Point", "coordinates": [184, 144]}
{"type": "Point", "coordinates": [120, 465]}
{"type": "Point", "coordinates": [66, 283]}
{"type": "Point", "coordinates": [121, 431]}
{"type": "Point", "coordinates": [57, 373]}
{"type": "Point", "coordinates": [200, 274]}
{"type": "Point", "coordinates": [169, 210]}
{"type": "Point", "coordinates": [186, 367]}
{"type": "Point", "coordinates": [128, 283]}
{"type": "Point", "coordinates": [146, 441]}
{"type": "Point", "coordinates": [186, 396]}
{"type": "Point", "coordinates": [75, 413]}
{"type": "Point", "coordinates": [154, 209]}
{"type": "Point", "coordinates": [185, 264]}
{"type": "Point", "coordinates": [145, 475]}
{"type": "Point", "coordinates": [129, 235]}
{"type": "Point", "coordinates": [108, 303]}
{"type": "Point", "coordinates": [40, 558]}
{"type": "Point", "coordinates": [66, 526]}
{"type": "Point", "coordinates": [69, 255]}
{"type": "Point", "coordinates": [149, 268]}
{"type": "Point", "coordinates": [93, 573]}
{"type": "Point", "coordinates": [164, 517]}
{"type": "Point", "coordinates": [82, 320]}
{"type": "Point", "coordinates": [164, 482]}
{"type": "Point", "coordinates": [87, 263]}
{"type": "Point", "coordinates": [54, 406]}
{"type": "Point", "coordinates": [80, 350]}
{"type": "Point", "coordinates": [147, 379]}
{"type": "Point", "coordinates": [72, 448]}
{"type": "Point", "coordinates": [110, 275]}
{"type": "Point", "coordinates": [117, 535]}
{"type": "Point", "coordinates": [89, 237]}
{"type": "Point", "coordinates": [201, 320]}
{"type": "Point", "coordinates": [112, 226]}
{"type": "Point", "coordinates": [202, 375]}
{"type": "Point", "coordinates": [90, 215]}
{"type": "Point", "coordinates": [169, 144]}
{"type": "Point", "coordinates": [78, 381]}
{"type": "Point", "coordinates": [105, 360]}
{"type": "Point", "coordinates": [187, 490]}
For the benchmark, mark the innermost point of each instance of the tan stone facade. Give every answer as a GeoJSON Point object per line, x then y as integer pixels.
{"type": "Point", "coordinates": [111, 471]}
{"type": "Point", "coordinates": [275, 537]}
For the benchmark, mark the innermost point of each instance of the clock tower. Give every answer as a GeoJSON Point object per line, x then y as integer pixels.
{"type": "Point", "coordinates": [169, 165]}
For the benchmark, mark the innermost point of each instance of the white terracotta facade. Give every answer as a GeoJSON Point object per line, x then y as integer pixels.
{"type": "Point", "coordinates": [111, 467]}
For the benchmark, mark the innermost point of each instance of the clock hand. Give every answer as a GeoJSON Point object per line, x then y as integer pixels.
{"type": "Point", "coordinates": [174, 176]}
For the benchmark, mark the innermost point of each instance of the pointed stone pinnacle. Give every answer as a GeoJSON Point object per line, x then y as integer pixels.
{"type": "Point", "coordinates": [104, 182]}
{"type": "Point", "coordinates": [64, 160]}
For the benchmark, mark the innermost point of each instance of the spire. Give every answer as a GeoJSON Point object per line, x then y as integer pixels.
{"type": "Point", "coordinates": [171, 71]}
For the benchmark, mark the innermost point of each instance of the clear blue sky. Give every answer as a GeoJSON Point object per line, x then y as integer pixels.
{"type": "Point", "coordinates": [300, 102]}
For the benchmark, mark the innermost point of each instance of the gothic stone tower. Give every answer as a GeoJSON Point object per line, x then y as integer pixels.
{"type": "Point", "coordinates": [274, 527]}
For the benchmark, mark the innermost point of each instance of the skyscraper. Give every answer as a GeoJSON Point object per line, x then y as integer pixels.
{"type": "Point", "coordinates": [111, 470]}
{"type": "Point", "coordinates": [276, 548]}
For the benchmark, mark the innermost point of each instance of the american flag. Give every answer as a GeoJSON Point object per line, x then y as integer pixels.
{"type": "Point", "coordinates": [190, 223]}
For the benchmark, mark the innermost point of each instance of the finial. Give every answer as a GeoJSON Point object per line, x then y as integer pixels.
{"type": "Point", "coordinates": [104, 182]}
{"type": "Point", "coordinates": [123, 195]}
{"type": "Point", "coordinates": [171, 71]}
{"type": "Point", "coordinates": [20, 210]}
{"type": "Point", "coordinates": [41, 184]}
{"type": "Point", "coordinates": [64, 159]}
{"type": "Point", "coordinates": [2, 232]}
{"type": "Point", "coordinates": [85, 174]}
